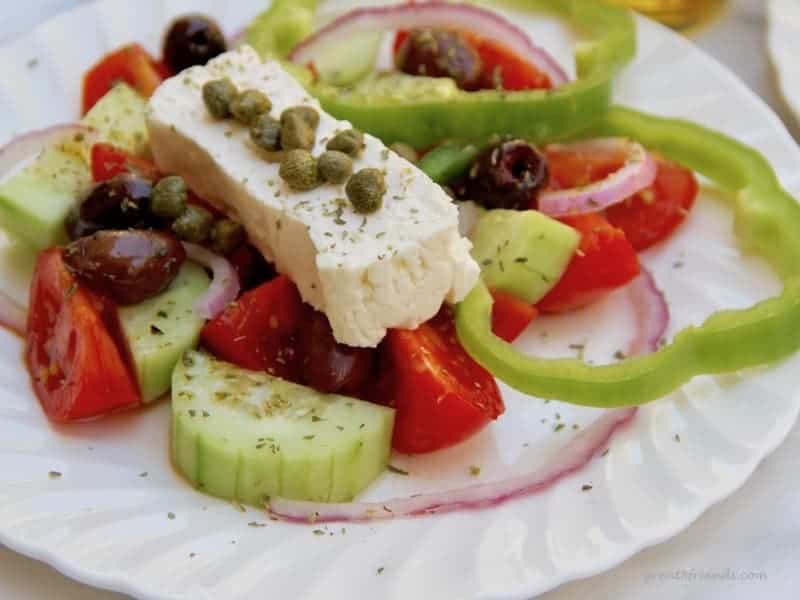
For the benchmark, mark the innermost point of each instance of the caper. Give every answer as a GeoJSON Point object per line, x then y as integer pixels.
{"type": "Point", "coordinates": [405, 151]}
{"type": "Point", "coordinates": [194, 225]}
{"type": "Point", "coordinates": [218, 96]}
{"type": "Point", "coordinates": [351, 142]}
{"type": "Point", "coordinates": [296, 133]}
{"type": "Point", "coordinates": [168, 199]}
{"type": "Point", "coordinates": [266, 133]}
{"type": "Point", "coordinates": [308, 113]}
{"type": "Point", "coordinates": [334, 167]}
{"type": "Point", "coordinates": [366, 189]}
{"type": "Point", "coordinates": [299, 170]}
{"type": "Point", "coordinates": [249, 105]}
{"type": "Point", "coordinates": [226, 236]}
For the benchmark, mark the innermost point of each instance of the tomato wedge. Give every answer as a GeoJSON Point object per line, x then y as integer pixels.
{"type": "Point", "coordinates": [655, 213]}
{"type": "Point", "coordinates": [440, 394]}
{"type": "Point", "coordinates": [510, 316]}
{"type": "Point", "coordinates": [74, 346]}
{"type": "Point", "coordinates": [131, 64]}
{"type": "Point", "coordinates": [502, 69]}
{"type": "Point", "coordinates": [604, 261]}
{"type": "Point", "coordinates": [108, 161]}
{"type": "Point", "coordinates": [258, 331]}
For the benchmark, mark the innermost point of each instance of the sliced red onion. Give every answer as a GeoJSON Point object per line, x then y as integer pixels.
{"type": "Point", "coordinates": [224, 287]}
{"type": "Point", "coordinates": [651, 313]}
{"type": "Point", "coordinates": [12, 315]}
{"type": "Point", "coordinates": [463, 17]}
{"type": "Point", "coordinates": [638, 173]}
{"type": "Point", "coordinates": [579, 452]}
{"type": "Point", "coordinates": [30, 144]}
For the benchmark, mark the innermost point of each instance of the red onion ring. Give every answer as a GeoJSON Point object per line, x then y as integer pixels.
{"type": "Point", "coordinates": [638, 173]}
{"type": "Point", "coordinates": [224, 287]}
{"type": "Point", "coordinates": [463, 17]}
{"type": "Point", "coordinates": [577, 454]}
{"type": "Point", "coordinates": [12, 315]}
{"type": "Point", "coordinates": [652, 314]}
{"type": "Point", "coordinates": [32, 143]}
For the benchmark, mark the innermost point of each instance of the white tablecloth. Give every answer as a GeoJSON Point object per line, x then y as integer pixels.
{"type": "Point", "coordinates": [747, 547]}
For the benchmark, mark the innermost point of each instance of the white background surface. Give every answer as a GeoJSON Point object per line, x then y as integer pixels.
{"type": "Point", "coordinates": [757, 531]}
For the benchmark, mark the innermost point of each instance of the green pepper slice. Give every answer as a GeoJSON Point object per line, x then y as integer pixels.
{"type": "Point", "coordinates": [423, 111]}
{"type": "Point", "coordinates": [767, 222]}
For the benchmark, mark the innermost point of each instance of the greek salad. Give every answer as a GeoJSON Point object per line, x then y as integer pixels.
{"type": "Point", "coordinates": [320, 243]}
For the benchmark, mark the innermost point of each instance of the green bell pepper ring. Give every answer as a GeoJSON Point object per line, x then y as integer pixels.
{"type": "Point", "coordinates": [767, 222]}
{"type": "Point", "coordinates": [422, 111]}
{"type": "Point", "coordinates": [400, 113]}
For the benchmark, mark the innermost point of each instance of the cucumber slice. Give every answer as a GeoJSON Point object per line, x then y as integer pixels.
{"type": "Point", "coordinates": [523, 252]}
{"type": "Point", "coordinates": [346, 63]}
{"type": "Point", "coordinates": [35, 202]}
{"type": "Point", "coordinates": [161, 329]}
{"type": "Point", "coordinates": [246, 436]}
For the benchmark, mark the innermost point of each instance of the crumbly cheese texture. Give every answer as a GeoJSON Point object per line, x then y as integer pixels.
{"type": "Point", "coordinates": [390, 269]}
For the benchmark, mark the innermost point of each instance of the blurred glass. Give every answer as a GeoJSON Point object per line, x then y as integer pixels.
{"type": "Point", "coordinates": [675, 13]}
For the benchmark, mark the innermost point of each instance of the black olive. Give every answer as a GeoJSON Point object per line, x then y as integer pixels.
{"type": "Point", "coordinates": [129, 266]}
{"type": "Point", "coordinates": [436, 53]}
{"type": "Point", "coordinates": [509, 175]}
{"type": "Point", "coordinates": [192, 40]}
{"type": "Point", "coordinates": [120, 203]}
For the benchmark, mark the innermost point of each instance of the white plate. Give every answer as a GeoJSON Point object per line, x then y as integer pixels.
{"type": "Point", "coordinates": [784, 48]}
{"type": "Point", "coordinates": [103, 523]}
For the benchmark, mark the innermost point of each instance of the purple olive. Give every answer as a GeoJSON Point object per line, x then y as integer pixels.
{"type": "Point", "coordinates": [509, 175]}
{"type": "Point", "coordinates": [129, 266]}
{"type": "Point", "coordinates": [120, 203]}
{"type": "Point", "coordinates": [192, 40]}
{"type": "Point", "coordinates": [438, 53]}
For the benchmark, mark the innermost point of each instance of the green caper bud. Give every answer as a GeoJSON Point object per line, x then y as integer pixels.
{"type": "Point", "coordinates": [249, 105]}
{"type": "Point", "coordinates": [366, 189]}
{"type": "Point", "coordinates": [309, 114]}
{"type": "Point", "coordinates": [296, 133]}
{"type": "Point", "coordinates": [226, 236]}
{"type": "Point", "coordinates": [218, 96]}
{"type": "Point", "coordinates": [351, 142]}
{"type": "Point", "coordinates": [405, 151]}
{"type": "Point", "coordinates": [299, 170]}
{"type": "Point", "coordinates": [266, 133]}
{"type": "Point", "coordinates": [334, 167]}
{"type": "Point", "coordinates": [194, 225]}
{"type": "Point", "coordinates": [168, 198]}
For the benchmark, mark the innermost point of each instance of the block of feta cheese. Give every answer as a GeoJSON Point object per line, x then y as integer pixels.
{"type": "Point", "coordinates": [390, 269]}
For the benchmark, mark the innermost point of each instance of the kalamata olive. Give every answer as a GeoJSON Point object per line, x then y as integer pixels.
{"type": "Point", "coordinates": [129, 266]}
{"type": "Point", "coordinates": [439, 53]}
{"type": "Point", "coordinates": [328, 366]}
{"type": "Point", "coordinates": [509, 175]}
{"type": "Point", "coordinates": [192, 40]}
{"type": "Point", "coordinates": [119, 203]}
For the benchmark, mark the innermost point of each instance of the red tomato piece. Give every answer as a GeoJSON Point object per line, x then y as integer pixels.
{"type": "Point", "coordinates": [108, 161]}
{"type": "Point", "coordinates": [258, 331]}
{"type": "Point", "coordinates": [74, 349]}
{"type": "Point", "coordinates": [440, 394]}
{"type": "Point", "coordinates": [502, 69]}
{"type": "Point", "coordinates": [510, 315]}
{"type": "Point", "coordinates": [131, 64]}
{"type": "Point", "coordinates": [655, 213]}
{"type": "Point", "coordinates": [605, 261]}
